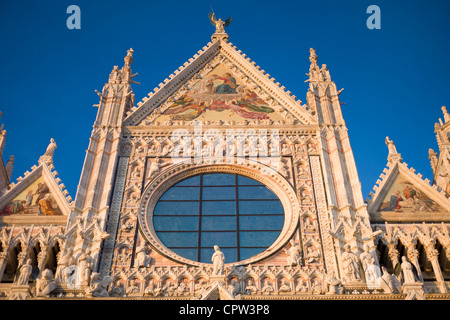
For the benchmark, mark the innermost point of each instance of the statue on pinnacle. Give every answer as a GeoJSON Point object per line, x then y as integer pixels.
{"type": "Point", "coordinates": [219, 24]}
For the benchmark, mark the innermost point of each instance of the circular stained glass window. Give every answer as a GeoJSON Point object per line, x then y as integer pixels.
{"type": "Point", "coordinates": [240, 215]}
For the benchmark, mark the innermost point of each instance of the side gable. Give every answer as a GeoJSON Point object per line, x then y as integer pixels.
{"type": "Point", "coordinates": [38, 194]}
{"type": "Point", "coordinates": [256, 97]}
{"type": "Point", "coordinates": [402, 195]}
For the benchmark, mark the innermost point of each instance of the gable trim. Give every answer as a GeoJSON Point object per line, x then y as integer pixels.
{"type": "Point", "coordinates": [264, 84]}
{"type": "Point", "coordinates": [389, 176]}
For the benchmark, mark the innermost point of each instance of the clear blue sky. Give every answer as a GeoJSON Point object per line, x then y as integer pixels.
{"type": "Point", "coordinates": [396, 79]}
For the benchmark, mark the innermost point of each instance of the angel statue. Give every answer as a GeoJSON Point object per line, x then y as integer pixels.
{"type": "Point", "coordinates": [219, 24]}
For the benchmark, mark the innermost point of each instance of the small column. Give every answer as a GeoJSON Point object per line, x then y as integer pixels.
{"type": "Point", "coordinates": [3, 262]}
{"type": "Point", "coordinates": [432, 255]}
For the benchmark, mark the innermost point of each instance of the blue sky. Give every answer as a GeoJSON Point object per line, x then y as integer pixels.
{"type": "Point", "coordinates": [396, 79]}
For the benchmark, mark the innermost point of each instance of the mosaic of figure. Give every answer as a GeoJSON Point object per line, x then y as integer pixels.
{"type": "Point", "coordinates": [219, 96]}
{"type": "Point", "coordinates": [404, 197]}
{"type": "Point", "coordinates": [34, 200]}
{"type": "Point", "coordinates": [218, 259]}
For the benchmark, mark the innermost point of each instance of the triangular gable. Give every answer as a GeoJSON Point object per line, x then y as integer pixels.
{"type": "Point", "coordinates": [38, 193]}
{"type": "Point", "coordinates": [219, 85]}
{"type": "Point", "coordinates": [401, 190]}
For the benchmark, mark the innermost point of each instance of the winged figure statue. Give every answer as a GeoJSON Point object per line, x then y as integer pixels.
{"type": "Point", "coordinates": [219, 23]}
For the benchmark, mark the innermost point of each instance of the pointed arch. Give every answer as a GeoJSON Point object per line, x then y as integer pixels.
{"type": "Point", "coordinates": [443, 259]}
{"type": "Point", "coordinates": [12, 264]}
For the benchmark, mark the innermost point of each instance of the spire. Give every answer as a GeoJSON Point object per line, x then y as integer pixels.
{"type": "Point", "coordinates": [119, 81]}
{"type": "Point", "coordinates": [124, 75]}
{"type": "Point", "coordinates": [316, 73]}
{"type": "Point", "coordinates": [220, 25]}
{"type": "Point", "coordinates": [127, 74]}
{"type": "Point", "coordinates": [440, 162]}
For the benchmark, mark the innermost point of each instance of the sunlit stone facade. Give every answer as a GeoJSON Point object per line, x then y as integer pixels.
{"type": "Point", "coordinates": [221, 184]}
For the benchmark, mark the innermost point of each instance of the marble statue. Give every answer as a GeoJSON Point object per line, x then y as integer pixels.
{"type": "Point", "coordinates": [218, 260]}
{"type": "Point", "coordinates": [409, 271]}
{"type": "Point", "coordinates": [142, 257]}
{"type": "Point", "coordinates": [45, 285]}
{"type": "Point", "coordinates": [350, 265]}
{"type": "Point", "coordinates": [389, 283]}
{"type": "Point", "coordinates": [219, 24]}
{"type": "Point", "coordinates": [25, 273]}
{"type": "Point", "coordinates": [294, 254]}
{"type": "Point", "coordinates": [251, 288]}
{"type": "Point", "coordinates": [85, 263]}
{"type": "Point", "coordinates": [391, 146]}
{"type": "Point", "coordinates": [371, 271]}
{"type": "Point", "coordinates": [98, 286]}
{"type": "Point", "coordinates": [50, 148]}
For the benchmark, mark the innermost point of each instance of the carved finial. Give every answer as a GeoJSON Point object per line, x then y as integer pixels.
{"type": "Point", "coordinates": [48, 155]}
{"type": "Point", "coordinates": [129, 57]}
{"type": "Point", "coordinates": [446, 114]}
{"type": "Point", "coordinates": [220, 25]}
{"type": "Point", "coordinates": [315, 73]}
{"type": "Point", "coordinates": [393, 155]}
{"type": "Point", "coordinates": [126, 73]}
{"type": "Point", "coordinates": [325, 73]}
{"type": "Point", "coordinates": [114, 76]}
{"type": "Point", "coordinates": [313, 57]}
{"type": "Point", "coordinates": [431, 153]}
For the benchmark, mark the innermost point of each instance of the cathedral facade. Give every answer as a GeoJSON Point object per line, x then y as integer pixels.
{"type": "Point", "coordinates": [221, 184]}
